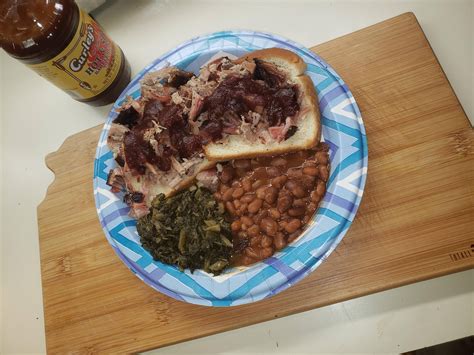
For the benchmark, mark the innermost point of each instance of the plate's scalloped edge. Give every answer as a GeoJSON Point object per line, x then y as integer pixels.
{"type": "Point", "coordinates": [364, 159]}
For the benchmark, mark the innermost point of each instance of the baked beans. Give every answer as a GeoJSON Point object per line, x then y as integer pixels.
{"type": "Point", "coordinates": [271, 199]}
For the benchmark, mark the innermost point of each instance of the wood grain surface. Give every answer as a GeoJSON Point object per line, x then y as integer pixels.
{"type": "Point", "coordinates": [416, 220]}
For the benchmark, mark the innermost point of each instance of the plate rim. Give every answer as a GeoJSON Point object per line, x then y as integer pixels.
{"type": "Point", "coordinates": [342, 227]}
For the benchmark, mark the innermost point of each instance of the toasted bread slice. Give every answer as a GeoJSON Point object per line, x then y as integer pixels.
{"type": "Point", "coordinates": [232, 146]}
{"type": "Point", "coordinates": [308, 120]}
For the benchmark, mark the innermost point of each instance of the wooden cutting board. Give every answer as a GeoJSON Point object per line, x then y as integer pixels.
{"type": "Point", "coordinates": [416, 220]}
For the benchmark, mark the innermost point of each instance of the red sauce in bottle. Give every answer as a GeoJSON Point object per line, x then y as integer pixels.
{"type": "Point", "coordinates": [65, 46]}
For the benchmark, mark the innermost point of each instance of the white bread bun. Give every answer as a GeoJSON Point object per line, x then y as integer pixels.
{"type": "Point", "coordinates": [308, 123]}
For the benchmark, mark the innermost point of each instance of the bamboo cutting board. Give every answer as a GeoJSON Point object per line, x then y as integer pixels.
{"type": "Point", "coordinates": [416, 220]}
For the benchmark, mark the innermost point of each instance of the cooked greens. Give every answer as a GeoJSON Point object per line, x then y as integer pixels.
{"type": "Point", "coordinates": [188, 230]}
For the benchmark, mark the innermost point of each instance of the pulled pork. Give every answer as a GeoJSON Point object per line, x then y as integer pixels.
{"type": "Point", "coordinates": [160, 136]}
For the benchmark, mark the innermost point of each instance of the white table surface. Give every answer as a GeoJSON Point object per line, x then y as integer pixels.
{"type": "Point", "coordinates": [36, 118]}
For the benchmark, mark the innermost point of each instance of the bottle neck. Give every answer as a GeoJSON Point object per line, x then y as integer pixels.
{"type": "Point", "coordinates": [35, 31]}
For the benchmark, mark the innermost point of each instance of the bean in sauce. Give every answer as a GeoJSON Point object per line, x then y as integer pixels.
{"type": "Point", "coordinates": [271, 199]}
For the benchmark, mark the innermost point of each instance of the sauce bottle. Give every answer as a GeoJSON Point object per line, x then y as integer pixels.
{"type": "Point", "coordinates": [65, 46]}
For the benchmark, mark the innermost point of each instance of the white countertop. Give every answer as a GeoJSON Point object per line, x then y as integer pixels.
{"type": "Point", "coordinates": [398, 320]}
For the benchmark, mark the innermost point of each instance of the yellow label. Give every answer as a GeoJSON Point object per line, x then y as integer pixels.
{"type": "Point", "coordinates": [87, 66]}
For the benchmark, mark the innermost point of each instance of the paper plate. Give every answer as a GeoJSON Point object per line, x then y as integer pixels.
{"type": "Point", "coordinates": [342, 129]}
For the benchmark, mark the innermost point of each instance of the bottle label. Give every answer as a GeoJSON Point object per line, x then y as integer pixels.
{"type": "Point", "coordinates": [87, 66]}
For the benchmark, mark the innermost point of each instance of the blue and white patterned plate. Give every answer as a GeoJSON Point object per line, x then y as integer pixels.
{"type": "Point", "coordinates": [342, 129]}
